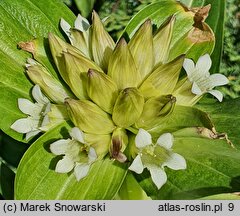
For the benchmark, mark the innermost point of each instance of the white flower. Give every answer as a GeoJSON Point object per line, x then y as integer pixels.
{"type": "Point", "coordinates": [77, 154]}
{"type": "Point", "coordinates": [155, 157]}
{"type": "Point", "coordinates": [79, 35]}
{"type": "Point", "coordinates": [200, 77]}
{"type": "Point", "coordinates": [37, 114]}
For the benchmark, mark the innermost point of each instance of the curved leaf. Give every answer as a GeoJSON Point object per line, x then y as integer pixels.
{"type": "Point", "coordinates": [216, 22]}
{"type": "Point", "coordinates": [226, 116]}
{"type": "Point", "coordinates": [182, 117]}
{"type": "Point", "coordinates": [85, 6]}
{"type": "Point", "coordinates": [213, 167]}
{"type": "Point", "coordinates": [36, 178]}
{"type": "Point", "coordinates": [22, 21]}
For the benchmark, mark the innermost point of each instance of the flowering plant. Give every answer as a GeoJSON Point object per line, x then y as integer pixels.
{"type": "Point", "coordinates": [102, 110]}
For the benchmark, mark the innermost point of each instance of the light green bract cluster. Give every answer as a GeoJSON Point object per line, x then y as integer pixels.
{"type": "Point", "coordinates": [111, 92]}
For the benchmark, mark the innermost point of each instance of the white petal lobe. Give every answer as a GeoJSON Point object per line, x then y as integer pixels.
{"type": "Point", "coordinates": [158, 176]}
{"type": "Point", "coordinates": [176, 162]}
{"type": "Point", "coordinates": [217, 94]}
{"type": "Point", "coordinates": [143, 138]}
{"type": "Point", "coordinates": [165, 140]}
{"type": "Point", "coordinates": [204, 63]}
{"type": "Point", "coordinates": [81, 170]}
{"type": "Point", "coordinates": [59, 147]}
{"type": "Point", "coordinates": [65, 165]}
{"type": "Point", "coordinates": [77, 134]}
{"type": "Point", "coordinates": [137, 165]}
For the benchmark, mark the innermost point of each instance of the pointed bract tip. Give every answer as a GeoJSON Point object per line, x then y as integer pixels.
{"type": "Point", "coordinates": [121, 43]}
{"type": "Point", "coordinates": [91, 72]}
{"type": "Point", "coordinates": [27, 46]}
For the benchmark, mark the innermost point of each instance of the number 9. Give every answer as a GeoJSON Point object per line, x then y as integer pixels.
{"type": "Point", "coordinates": [230, 206]}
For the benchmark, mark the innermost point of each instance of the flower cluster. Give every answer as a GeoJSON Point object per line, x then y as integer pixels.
{"type": "Point", "coordinates": [113, 90]}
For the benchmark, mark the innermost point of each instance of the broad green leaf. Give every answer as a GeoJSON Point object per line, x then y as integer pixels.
{"type": "Point", "coordinates": [216, 22]}
{"type": "Point", "coordinates": [223, 196]}
{"type": "Point", "coordinates": [11, 151]}
{"type": "Point", "coordinates": [184, 40]}
{"type": "Point", "coordinates": [131, 190]}
{"type": "Point", "coordinates": [85, 6]}
{"type": "Point", "coordinates": [6, 181]}
{"type": "Point", "coordinates": [182, 117]}
{"type": "Point", "coordinates": [36, 178]}
{"type": "Point", "coordinates": [226, 117]}
{"type": "Point", "coordinates": [213, 167]}
{"type": "Point", "coordinates": [22, 21]}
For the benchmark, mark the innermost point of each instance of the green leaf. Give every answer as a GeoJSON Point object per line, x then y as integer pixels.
{"type": "Point", "coordinates": [131, 190]}
{"type": "Point", "coordinates": [22, 21]}
{"type": "Point", "coordinates": [213, 167]}
{"type": "Point", "coordinates": [85, 6]}
{"type": "Point", "coordinates": [182, 117]}
{"type": "Point", "coordinates": [11, 151]}
{"type": "Point", "coordinates": [223, 196]}
{"type": "Point", "coordinates": [6, 181]}
{"type": "Point", "coordinates": [226, 117]}
{"type": "Point", "coordinates": [215, 20]}
{"type": "Point", "coordinates": [183, 42]}
{"type": "Point", "coordinates": [36, 178]}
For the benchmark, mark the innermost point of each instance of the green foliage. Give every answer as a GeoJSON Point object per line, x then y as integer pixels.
{"type": "Point", "coordinates": [119, 13]}
{"type": "Point", "coordinates": [230, 65]}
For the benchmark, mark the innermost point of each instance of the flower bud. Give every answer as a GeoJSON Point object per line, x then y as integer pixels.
{"type": "Point", "coordinates": [154, 110]}
{"type": "Point", "coordinates": [102, 90]}
{"type": "Point", "coordinates": [102, 42]}
{"type": "Point", "coordinates": [122, 68]}
{"type": "Point", "coordinates": [57, 114]}
{"type": "Point", "coordinates": [57, 47]}
{"type": "Point", "coordinates": [80, 41]}
{"type": "Point", "coordinates": [99, 142]}
{"type": "Point", "coordinates": [50, 85]}
{"type": "Point", "coordinates": [118, 144]}
{"type": "Point", "coordinates": [89, 117]}
{"type": "Point", "coordinates": [143, 57]}
{"type": "Point", "coordinates": [77, 67]}
{"type": "Point", "coordinates": [128, 107]}
{"type": "Point", "coordinates": [79, 35]}
{"type": "Point", "coordinates": [162, 40]}
{"type": "Point", "coordinates": [163, 79]}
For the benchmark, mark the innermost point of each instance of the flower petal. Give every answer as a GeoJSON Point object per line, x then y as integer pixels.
{"type": "Point", "coordinates": [204, 63]}
{"type": "Point", "coordinates": [218, 80]}
{"type": "Point", "coordinates": [158, 176]}
{"type": "Point", "coordinates": [81, 170]}
{"type": "Point", "coordinates": [59, 147]}
{"type": "Point", "coordinates": [143, 138]}
{"type": "Point", "coordinates": [65, 165]}
{"type": "Point", "coordinates": [176, 162]}
{"type": "Point", "coordinates": [32, 133]}
{"type": "Point", "coordinates": [77, 134]}
{"type": "Point", "coordinates": [196, 90]}
{"type": "Point", "coordinates": [92, 155]}
{"type": "Point", "coordinates": [81, 23]}
{"type": "Point", "coordinates": [38, 95]}
{"type": "Point", "coordinates": [189, 66]}
{"type": "Point", "coordinates": [28, 107]}
{"type": "Point", "coordinates": [137, 165]}
{"type": "Point", "coordinates": [217, 94]}
{"type": "Point", "coordinates": [165, 140]}
{"type": "Point", "coordinates": [65, 27]}
{"type": "Point", "coordinates": [24, 125]}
